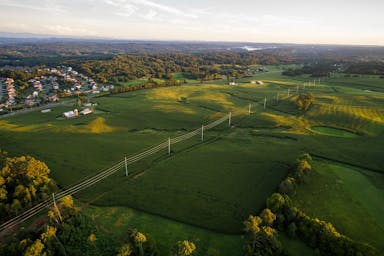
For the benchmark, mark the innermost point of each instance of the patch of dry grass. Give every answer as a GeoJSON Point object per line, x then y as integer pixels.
{"type": "Point", "coordinates": [4, 125]}
{"type": "Point", "coordinates": [172, 108]}
{"type": "Point", "coordinates": [97, 126]}
{"type": "Point", "coordinates": [298, 125]}
{"type": "Point", "coordinates": [279, 82]}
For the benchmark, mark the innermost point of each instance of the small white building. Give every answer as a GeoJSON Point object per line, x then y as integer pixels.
{"type": "Point", "coordinates": [86, 111]}
{"type": "Point", "coordinates": [260, 82]}
{"type": "Point", "coordinates": [71, 114]}
{"type": "Point", "coordinates": [232, 83]}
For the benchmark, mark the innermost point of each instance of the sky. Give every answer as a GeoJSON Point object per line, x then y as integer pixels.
{"type": "Point", "coordinates": [281, 21]}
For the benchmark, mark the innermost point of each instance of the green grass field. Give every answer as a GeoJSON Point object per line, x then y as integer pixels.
{"type": "Point", "coordinates": [210, 187]}
{"type": "Point", "coordinates": [350, 198]}
{"type": "Point", "coordinates": [117, 221]}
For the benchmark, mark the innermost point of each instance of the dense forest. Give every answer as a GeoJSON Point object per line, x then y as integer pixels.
{"type": "Point", "coordinates": [196, 66]}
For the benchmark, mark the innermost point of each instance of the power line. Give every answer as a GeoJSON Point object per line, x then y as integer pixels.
{"type": "Point", "coordinates": [27, 214]}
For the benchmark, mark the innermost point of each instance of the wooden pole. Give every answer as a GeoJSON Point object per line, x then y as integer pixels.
{"type": "Point", "coordinates": [169, 146]}
{"type": "Point", "coordinates": [126, 166]}
{"type": "Point", "coordinates": [202, 132]}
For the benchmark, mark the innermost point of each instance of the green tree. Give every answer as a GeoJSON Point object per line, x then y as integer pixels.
{"type": "Point", "coordinates": [36, 249]}
{"type": "Point", "coordinates": [288, 186]}
{"type": "Point", "coordinates": [304, 101]}
{"type": "Point", "coordinates": [291, 230]}
{"type": "Point", "coordinates": [252, 225]}
{"type": "Point", "coordinates": [139, 239]}
{"type": "Point", "coordinates": [184, 248]}
{"type": "Point", "coordinates": [268, 217]}
{"type": "Point", "coordinates": [276, 202]}
{"type": "Point", "coordinates": [125, 250]}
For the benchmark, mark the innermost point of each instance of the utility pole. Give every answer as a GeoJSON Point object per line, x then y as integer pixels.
{"type": "Point", "coordinates": [249, 109]}
{"type": "Point", "coordinates": [169, 146]}
{"type": "Point", "coordinates": [54, 200]}
{"type": "Point", "coordinates": [265, 102]}
{"type": "Point", "coordinates": [288, 92]}
{"type": "Point", "coordinates": [229, 119]}
{"type": "Point", "coordinates": [126, 167]}
{"type": "Point", "coordinates": [56, 208]}
{"type": "Point", "coordinates": [202, 132]}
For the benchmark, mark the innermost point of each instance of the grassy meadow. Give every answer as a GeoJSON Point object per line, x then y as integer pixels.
{"type": "Point", "coordinates": [206, 189]}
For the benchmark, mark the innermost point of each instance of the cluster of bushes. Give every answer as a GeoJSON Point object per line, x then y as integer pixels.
{"type": "Point", "coordinates": [299, 170]}
{"type": "Point", "coordinates": [304, 101]}
{"type": "Point", "coordinates": [261, 236]}
{"type": "Point", "coordinates": [24, 181]}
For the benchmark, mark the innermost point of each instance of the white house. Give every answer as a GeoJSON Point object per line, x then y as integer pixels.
{"type": "Point", "coordinates": [232, 83]}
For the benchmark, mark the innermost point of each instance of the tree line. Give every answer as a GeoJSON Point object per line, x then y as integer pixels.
{"type": "Point", "coordinates": [280, 215]}
{"type": "Point", "coordinates": [208, 66]}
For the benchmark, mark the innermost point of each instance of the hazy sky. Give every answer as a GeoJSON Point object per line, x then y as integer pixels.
{"type": "Point", "coordinates": [296, 21]}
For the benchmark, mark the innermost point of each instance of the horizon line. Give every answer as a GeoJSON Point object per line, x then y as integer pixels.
{"type": "Point", "coordinates": [28, 35]}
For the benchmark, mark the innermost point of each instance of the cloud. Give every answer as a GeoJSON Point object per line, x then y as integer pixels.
{"type": "Point", "coordinates": [11, 26]}
{"type": "Point", "coordinates": [150, 15]}
{"type": "Point", "coordinates": [123, 8]}
{"type": "Point", "coordinates": [164, 8]}
{"type": "Point", "coordinates": [151, 9]}
{"type": "Point", "coordinates": [49, 6]}
{"type": "Point", "coordinates": [68, 30]}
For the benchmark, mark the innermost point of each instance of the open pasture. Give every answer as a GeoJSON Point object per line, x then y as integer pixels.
{"type": "Point", "coordinates": [214, 184]}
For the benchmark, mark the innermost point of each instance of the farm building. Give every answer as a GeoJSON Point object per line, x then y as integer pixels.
{"type": "Point", "coordinates": [232, 83]}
